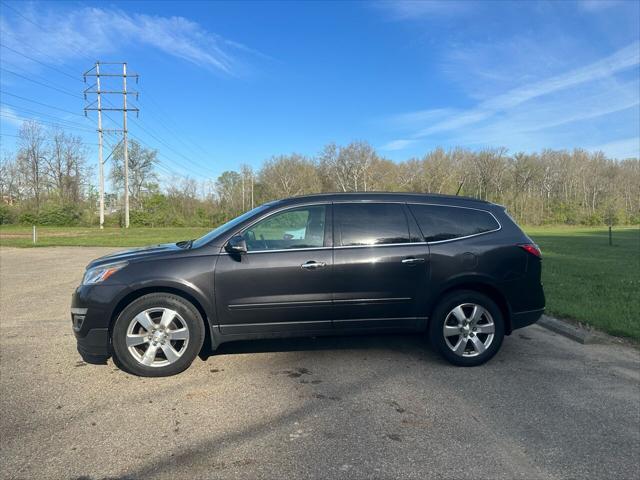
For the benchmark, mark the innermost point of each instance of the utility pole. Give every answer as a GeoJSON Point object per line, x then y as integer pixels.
{"type": "Point", "coordinates": [100, 161]}
{"type": "Point", "coordinates": [243, 191]}
{"type": "Point", "coordinates": [95, 72]}
{"type": "Point", "coordinates": [126, 149]}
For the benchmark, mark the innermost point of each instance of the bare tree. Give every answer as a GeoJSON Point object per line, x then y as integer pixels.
{"type": "Point", "coordinates": [349, 167]}
{"type": "Point", "coordinates": [289, 175]}
{"type": "Point", "coordinates": [31, 159]}
{"type": "Point", "coordinates": [66, 166]}
{"type": "Point", "coordinates": [142, 173]}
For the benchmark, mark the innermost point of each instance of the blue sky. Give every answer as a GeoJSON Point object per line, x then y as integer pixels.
{"type": "Point", "coordinates": [227, 83]}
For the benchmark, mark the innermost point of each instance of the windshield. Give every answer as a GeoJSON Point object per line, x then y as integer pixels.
{"type": "Point", "coordinates": [228, 226]}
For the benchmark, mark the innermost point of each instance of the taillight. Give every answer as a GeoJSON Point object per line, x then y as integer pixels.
{"type": "Point", "coordinates": [532, 248]}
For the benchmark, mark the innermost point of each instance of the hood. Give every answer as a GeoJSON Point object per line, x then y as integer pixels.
{"type": "Point", "coordinates": [136, 254]}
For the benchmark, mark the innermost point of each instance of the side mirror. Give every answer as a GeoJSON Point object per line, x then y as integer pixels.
{"type": "Point", "coordinates": [236, 245]}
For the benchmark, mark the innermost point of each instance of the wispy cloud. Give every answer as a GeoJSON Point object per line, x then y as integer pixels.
{"type": "Point", "coordinates": [598, 5]}
{"type": "Point", "coordinates": [418, 9]}
{"type": "Point", "coordinates": [573, 119]}
{"type": "Point", "coordinates": [399, 144]}
{"type": "Point", "coordinates": [8, 115]}
{"type": "Point", "coordinates": [587, 92]}
{"type": "Point", "coordinates": [411, 119]}
{"type": "Point", "coordinates": [60, 35]}
{"type": "Point", "coordinates": [621, 60]}
{"type": "Point", "coordinates": [624, 148]}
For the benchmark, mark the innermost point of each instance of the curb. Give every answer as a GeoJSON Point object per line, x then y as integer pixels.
{"type": "Point", "coordinates": [573, 332]}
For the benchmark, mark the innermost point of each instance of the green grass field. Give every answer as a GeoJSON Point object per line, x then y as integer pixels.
{"type": "Point", "coordinates": [16, 236]}
{"type": "Point", "coordinates": [585, 279]}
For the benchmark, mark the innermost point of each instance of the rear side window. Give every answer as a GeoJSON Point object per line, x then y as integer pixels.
{"type": "Point", "coordinates": [439, 222]}
{"type": "Point", "coordinates": [370, 224]}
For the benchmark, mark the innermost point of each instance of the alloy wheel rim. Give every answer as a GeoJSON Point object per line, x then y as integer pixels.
{"type": "Point", "coordinates": [468, 330]}
{"type": "Point", "coordinates": [157, 337]}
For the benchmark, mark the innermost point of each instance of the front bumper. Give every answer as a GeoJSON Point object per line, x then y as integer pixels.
{"type": "Point", "coordinates": [95, 347]}
{"type": "Point", "coordinates": [91, 309]}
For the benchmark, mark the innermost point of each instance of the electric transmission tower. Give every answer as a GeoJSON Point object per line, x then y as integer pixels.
{"type": "Point", "coordinates": [97, 106]}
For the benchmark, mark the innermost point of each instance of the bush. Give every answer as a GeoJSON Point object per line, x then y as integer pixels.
{"type": "Point", "coordinates": [28, 218]}
{"type": "Point", "coordinates": [595, 219]}
{"type": "Point", "coordinates": [60, 215]}
{"type": "Point", "coordinates": [8, 214]}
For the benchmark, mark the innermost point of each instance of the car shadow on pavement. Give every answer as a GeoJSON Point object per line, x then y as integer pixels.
{"type": "Point", "coordinates": [405, 343]}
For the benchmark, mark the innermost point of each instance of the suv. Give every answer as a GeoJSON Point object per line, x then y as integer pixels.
{"type": "Point", "coordinates": [457, 268]}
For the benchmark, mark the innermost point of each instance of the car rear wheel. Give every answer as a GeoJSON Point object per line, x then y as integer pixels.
{"type": "Point", "coordinates": [157, 335]}
{"type": "Point", "coordinates": [466, 328]}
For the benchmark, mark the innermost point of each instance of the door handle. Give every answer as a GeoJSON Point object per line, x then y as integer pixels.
{"type": "Point", "coordinates": [311, 265]}
{"type": "Point", "coordinates": [412, 260]}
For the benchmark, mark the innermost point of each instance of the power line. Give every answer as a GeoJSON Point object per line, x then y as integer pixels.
{"type": "Point", "coordinates": [157, 162]}
{"type": "Point", "coordinates": [191, 161]}
{"type": "Point", "coordinates": [85, 55]}
{"type": "Point", "coordinates": [18, 136]}
{"type": "Point", "coordinates": [177, 135]}
{"type": "Point", "coordinates": [4, 92]}
{"type": "Point", "coordinates": [42, 29]}
{"type": "Point", "coordinates": [68, 123]}
{"type": "Point", "coordinates": [17, 117]}
{"type": "Point", "coordinates": [149, 146]}
{"type": "Point", "coordinates": [35, 112]}
{"type": "Point", "coordinates": [61, 90]}
{"type": "Point", "coordinates": [40, 83]}
{"type": "Point", "coordinates": [58, 122]}
{"type": "Point", "coordinates": [40, 62]}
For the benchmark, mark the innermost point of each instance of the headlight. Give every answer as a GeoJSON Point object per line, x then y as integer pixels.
{"type": "Point", "coordinates": [101, 273]}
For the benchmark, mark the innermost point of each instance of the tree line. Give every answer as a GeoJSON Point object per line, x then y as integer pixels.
{"type": "Point", "coordinates": [48, 181]}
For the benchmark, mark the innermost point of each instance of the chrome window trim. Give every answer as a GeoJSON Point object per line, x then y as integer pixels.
{"type": "Point", "coordinates": [329, 248]}
{"type": "Point", "coordinates": [403, 244]}
{"type": "Point", "coordinates": [368, 201]}
{"type": "Point", "coordinates": [289, 250]}
{"type": "Point", "coordinates": [341, 247]}
{"type": "Point", "coordinates": [458, 206]}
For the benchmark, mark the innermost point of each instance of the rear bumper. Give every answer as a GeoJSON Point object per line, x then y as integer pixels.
{"type": "Point", "coordinates": [523, 319]}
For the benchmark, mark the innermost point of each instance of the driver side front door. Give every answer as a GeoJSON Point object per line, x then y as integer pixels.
{"type": "Point", "coordinates": [283, 282]}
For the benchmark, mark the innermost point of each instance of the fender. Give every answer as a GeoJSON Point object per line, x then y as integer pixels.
{"type": "Point", "coordinates": [479, 281]}
{"type": "Point", "coordinates": [178, 286]}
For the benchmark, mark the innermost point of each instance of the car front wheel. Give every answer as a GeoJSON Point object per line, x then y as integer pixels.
{"type": "Point", "coordinates": [157, 335]}
{"type": "Point", "coordinates": [466, 328]}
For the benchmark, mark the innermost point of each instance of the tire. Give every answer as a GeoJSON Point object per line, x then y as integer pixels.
{"type": "Point", "coordinates": [481, 313]}
{"type": "Point", "coordinates": [157, 335]}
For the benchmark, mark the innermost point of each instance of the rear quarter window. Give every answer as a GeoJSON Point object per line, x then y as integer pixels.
{"type": "Point", "coordinates": [439, 222]}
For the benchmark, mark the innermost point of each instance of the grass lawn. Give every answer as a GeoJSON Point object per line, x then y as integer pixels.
{"type": "Point", "coordinates": [16, 236]}
{"type": "Point", "coordinates": [585, 279]}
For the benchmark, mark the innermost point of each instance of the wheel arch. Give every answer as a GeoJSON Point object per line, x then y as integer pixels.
{"type": "Point", "coordinates": [483, 286]}
{"type": "Point", "coordinates": [209, 340]}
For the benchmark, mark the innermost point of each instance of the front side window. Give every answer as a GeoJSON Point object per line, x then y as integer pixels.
{"type": "Point", "coordinates": [370, 224]}
{"type": "Point", "coordinates": [296, 228]}
{"type": "Point", "coordinates": [439, 222]}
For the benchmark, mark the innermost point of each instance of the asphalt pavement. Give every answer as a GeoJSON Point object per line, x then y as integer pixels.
{"type": "Point", "coordinates": [352, 407]}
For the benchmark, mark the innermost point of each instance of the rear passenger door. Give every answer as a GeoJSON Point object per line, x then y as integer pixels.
{"type": "Point", "coordinates": [381, 266]}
